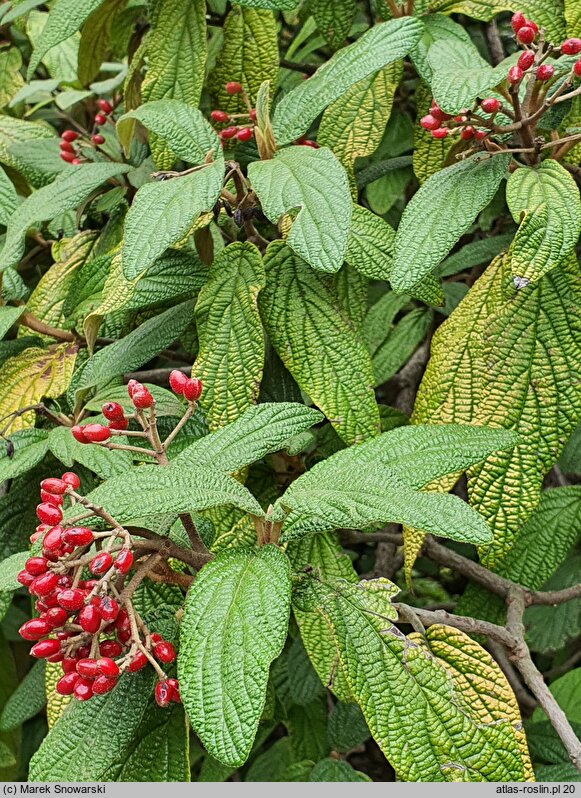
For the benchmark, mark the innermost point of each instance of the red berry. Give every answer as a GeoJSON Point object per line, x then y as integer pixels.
{"type": "Point", "coordinates": [155, 638]}
{"type": "Point", "coordinates": [120, 425]}
{"type": "Point", "coordinates": [48, 514]}
{"type": "Point", "coordinates": [113, 411]}
{"type": "Point", "coordinates": [164, 652]}
{"type": "Point", "coordinates": [123, 561]}
{"type": "Point", "coordinates": [532, 25]}
{"type": "Point", "coordinates": [233, 87]}
{"type": "Point", "coordinates": [514, 75]}
{"type": "Point", "coordinates": [131, 386]}
{"type": "Point", "coordinates": [310, 143]}
{"type": "Point", "coordinates": [69, 157]}
{"type": "Point", "coordinates": [83, 689]}
{"type": "Point", "coordinates": [24, 578]}
{"type": "Point", "coordinates": [480, 134]}
{"type": "Point", "coordinates": [56, 486]}
{"type": "Point", "coordinates": [53, 539]}
{"type": "Point", "coordinates": [517, 21]}
{"type": "Point", "coordinates": [46, 648]}
{"type": "Point", "coordinates": [109, 609]}
{"type": "Point", "coordinates": [577, 68]}
{"type": "Point", "coordinates": [107, 666]}
{"type": "Point", "coordinates": [71, 600]}
{"type": "Point", "coordinates": [58, 657]}
{"type": "Point", "coordinates": [71, 479]}
{"type": "Point", "coordinates": [163, 693]}
{"type": "Point", "coordinates": [36, 565]}
{"type": "Point", "coordinates": [436, 111]}
{"type": "Point", "coordinates": [103, 684]}
{"type": "Point", "coordinates": [101, 563]}
{"type": "Point", "coordinates": [571, 47]}
{"type": "Point", "coordinates": [229, 132]}
{"type": "Point", "coordinates": [45, 584]}
{"type": "Point", "coordinates": [87, 667]}
{"type": "Point", "coordinates": [56, 617]}
{"type": "Point", "coordinates": [51, 599]}
{"type": "Point", "coordinates": [69, 135]}
{"type": "Point", "coordinates": [545, 72]}
{"type": "Point", "coordinates": [490, 105]}
{"type": "Point", "coordinates": [429, 122]}
{"type": "Point", "coordinates": [76, 161]}
{"type": "Point", "coordinates": [467, 133]}
{"type": "Point", "coordinates": [440, 133]}
{"type": "Point", "coordinates": [66, 146]}
{"type": "Point", "coordinates": [123, 627]}
{"type": "Point", "coordinates": [219, 116]}
{"type": "Point", "coordinates": [142, 399]}
{"type": "Point", "coordinates": [110, 648]}
{"type": "Point", "coordinates": [35, 629]}
{"type": "Point", "coordinates": [252, 115]}
{"type": "Point", "coordinates": [526, 60]}
{"type": "Point", "coordinates": [78, 434]}
{"type": "Point", "coordinates": [138, 662]}
{"type": "Point", "coordinates": [177, 381]}
{"type": "Point", "coordinates": [96, 433]}
{"type": "Point", "coordinates": [89, 619]}
{"type": "Point", "coordinates": [78, 536]}
{"type": "Point", "coordinates": [51, 498]}
{"type": "Point", "coordinates": [98, 139]}
{"type": "Point", "coordinates": [526, 34]}
{"type": "Point", "coordinates": [175, 695]}
{"type": "Point", "coordinates": [105, 106]}
{"type": "Point", "coordinates": [193, 389]}
{"type": "Point", "coordinates": [66, 684]}
{"type": "Point", "coordinates": [100, 119]}
{"type": "Point", "coordinates": [244, 134]}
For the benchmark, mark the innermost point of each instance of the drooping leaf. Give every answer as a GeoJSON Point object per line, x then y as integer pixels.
{"type": "Point", "coordinates": [546, 202]}
{"type": "Point", "coordinates": [27, 449]}
{"type": "Point", "coordinates": [231, 355]}
{"type": "Point", "coordinates": [318, 345]}
{"type": "Point", "coordinates": [95, 38]}
{"type": "Point", "coordinates": [28, 699]}
{"type": "Point", "coordinates": [370, 244]}
{"type": "Point", "coordinates": [313, 183]}
{"type": "Point", "coordinates": [381, 45]}
{"type": "Point", "coordinates": [66, 192]}
{"type": "Point", "coordinates": [234, 625]}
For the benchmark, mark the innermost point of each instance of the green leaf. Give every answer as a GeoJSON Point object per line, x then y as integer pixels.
{"type": "Point", "coordinates": [65, 19]}
{"type": "Point", "coordinates": [314, 183]}
{"type": "Point", "coordinates": [429, 720]}
{"type": "Point", "coordinates": [164, 213]}
{"type": "Point", "coordinates": [317, 344]}
{"type": "Point", "coordinates": [381, 45]}
{"type": "Point", "coordinates": [138, 347]}
{"type": "Point", "coordinates": [511, 362]}
{"type": "Point", "coordinates": [334, 18]}
{"type": "Point", "coordinates": [370, 244]}
{"type": "Point", "coordinates": [234, 625]}
{"type": "Point", "coordinates": [101, 461]}
{"type": "Point", "coordinates": [566, 690]}
{"type": "Point", "coordinates": [8, 198]}
{"type": "Point", "coordinates": [27, 448]}
{"type": "Point", "coordinates": [166, 402]}
{"type": "Point", "coordinates": [347, 727]}
{"type": "Point", "coordinates": [183, 128]}
{"type": "Point", "coordinates": [545, 200]}
{"type": "Point", "coordinates": [573, 18]}
{"type": "Point", "coordinates": [231, 355]}
{"type": "Point", "coordinates": [95, 39]}
{"type": "Point", "coordinates": [550, 628]}
{"type": "Point", "coordinates": [273, 5]}
{"type": "Point", "coordinates": [473, 254]}
{"type": "Point", "coordinates": [441, 211]}
{"type": "Point", "coordinates": [26, 701]}
{"type": "Point", "coordinates": [334, 770]}
{"type": "Point", "coordinates": [66, 192]}
{"type": "Point", "coordinates": [9, 569]}
{"type": "Point", "coordinates": [436, 27]}
{"type": "Point", "coordinates": [399, 344]}
{"type": "Point", "coordinates": [259, 431]}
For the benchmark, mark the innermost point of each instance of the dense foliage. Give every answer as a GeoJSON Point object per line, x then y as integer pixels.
{"type": "Point", "coordinates": [290, 386]}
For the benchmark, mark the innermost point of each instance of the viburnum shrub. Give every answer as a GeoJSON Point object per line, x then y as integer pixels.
{"type": "Point", "coordinates": [290, 390]}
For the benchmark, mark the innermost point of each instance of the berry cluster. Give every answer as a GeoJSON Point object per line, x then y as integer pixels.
{"type": "Point", "coordinates": [234, 130]}
{"type": "Point", "coordinates": [70, 138]}
{"type": "Point", "coordinates": [87, 624]}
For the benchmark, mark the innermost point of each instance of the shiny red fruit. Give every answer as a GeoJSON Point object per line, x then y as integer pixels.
{"type": "Point", "coordinates": [193, 389]}
{"type": "Point", "coordinates": [71, 600]}
{"type": "Point", "coordinates": [244, 134]}
{"type": "Point", "coordinates": [113, 411]}
{"type": "Point", "coordinates": [43, 585]}
{"type": "Point", "coordinates": [78, 434]}
{"type": "Point", "coordinates": [36, 566]}
{"type": "Point", "coordinates": [253, 115]}
{"type": "Point", "coordinates": [577, 68]}
{"type": "Point", "coordinates": [123, 561]}
{"type": "Point", "coordinates": [119, 425]}
{"type": "Point", "coordinates": [52, 485]}
{"type": "Point", "coordinates": [177, 381]}
{"type": "Point", "coordinates": [490, 105]}
{"type": "Point", "coordinates": [69, 157]}
{"type": "Point", "coordinates": [107, 666]}
{"type": "Point", "coordinates": [46, 648]}
{"type": "Point", "coordinates": [526, 60]}
{"type": "Point", "coordinates": [480, 134]}
{"type": "Point", "coordinates": [132, 385]}
{"type": "Point", "coordinates": [164, 652]}
{"type": "Point", "coordinates": [163, 694]}
{"type": "Point", "coordinates": [48, 514]}
{"type": "Point", "coordinates": [35, 629]}
{"type": "Point", "coordinates": [71, 479]}
{"type": "Point", "coordinates": [101, 563]}
{"type": "Point", "coordinates": [56, 617]}
{"type": "Point", "coordinates": [105, 106]}
{"type": "Point", "coordinates": [233, 87]}
{"type": "Point", "coordinates": [228, 132]}
{"type": "Point", "coordinates": [89, 619]}
{"type": "Point", "coordinates": [66, 146]}
{"type": "Point", "coordinates": [517, 21]}
{"type": "Point", "coordinates": [219, 116]}
{"type": "Point", "coordinates": [429, 122]}
{"type": "Point", "coordinates": [83, 690]}
{"type": "Point", "coordinates": [514, 75]}
{"type": "Point", "coordinates": [545, 72]}
{"type": "Point", "coordinates": [66, 684]}
{"type": "Point", "coordinates": [175, 688]}
{"type": "Point", "coordinates": [138, 662]}
{"type": "Point", "coordinates": [69, 135]}
{"type": "Point", "coordinates": [100, 119]}
{"type": "Point", "coordinates": [103, 684]}
{"type": "Point", "coordinates": [24, 578]}
{"type": "Point", "coordinates": [440, 133]}
{"type": "Point", "coordinates": [50, 498]}
{"type": "Point", "coordinates": [78, 536]}
{"type": "Point", "coordinates": [142, 399]}
{"type": "Point", "coordinates": [109, 609]}
{"type": "Point", "coordinates": [98, 139]}
{"type": "Point", "coordinates": [110, 648]}
{"type": "Point", "coordinates": [96, 433]}
{"type": "Point", "coordinates": [87, 667]}
{"type": "Point", "coordinates": [53, 539]}
{"type": "Point", "coordinates": [526, 34]}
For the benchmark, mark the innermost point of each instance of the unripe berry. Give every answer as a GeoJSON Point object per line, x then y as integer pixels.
{"type": "Point", "coordinates": [48, 514]}
{"type": "Point", "coordinates": [96, 433]}
{"type": "Point", "coordinates": [105, 106]}
{"type": "Point", "coordinates": [490, 105]}
{"type": "Point", "coordinates": [571, 47]}
{"type": "Point", "coordinates": [53, 539]}
{"type": "Point", "coordinates": [517, 21]}
{"type": "Point", "coordinates": [545, 72]}
{"type": "Point", "coordinates": [107, 667]}
{"type": "Point", "coordinates": [66, 684]}
{"type": "Point", "coordinates": [100, 119]}
{"type": "Point", "coordinates": [50, 498]}
{"type": "Point", "coordinates": [66, 146]}
{"type": "Point", "coordinates": [123, 561]}
{"type": "Point", "coordinates": [35, 629]}
{"type": "Point", "coordinates": [52, 485]}
{"type": "Point", "coordinates": [69, 157]}
{"type": "Point", "coordinates": [89, 619]}
{"type": "Point", "coordinates": [163, 694]}
{"type": "Point", "coordinates": [56, 617]}
{"type": "Point", "coordinates": [103, 684]}
{"type": "Point", "coordinates": [164, 652]}
{"type": "Point", "coordinates": [244, 134]}
{"type": "Point", "coordinates": [71, 479]}
{"type": "Point", "coordinates": [142, 399]}
{"type": "Point", "coordinates": [233, 87]}
{"type": "Point", "coordinates": [69, 135]}
{"type": "Point", "coordinates": [83, 689]}
{"type": "Point", "coordinates": [193, 389]}
{"type": "Point", "coordinates": [526, 34]}
{"type": "Point", "coordinates": [228, 132]}
{"type": "Point", "coordinates": [46, 648]}
{"type": "Point", "coordinates": [36, 566]}
{"type": "Point", "coordinates": [219, 116]}
{"type": "Point", "coordinates": [109, 609]}
{"type": "Point", "coordinates": [577, 68]}
{"type": "Point", "coordinates": [110, 648]}
{"type": "Point", "coordinates": [138, 662]}
{"type": "Point", "coordinates": [25, 579]}
{"type": "Point", "coordinates": [440, 133]}
{"type": "Point", "coordinates": [514, 75]}
{"type": "Point", "coordinates": [177, 381]}
{"type": "Point", "coordinates": [45, 584]}
{"type": "Point", "coordinates": [429, 122]}
{"type": "Point", "coordinates": [101, 563]}
{"type": "Point", "coordinates": [526, 60]}
{"type": "Point", "coordinates": [98, 139]}
{"type": "Point", "coordinates": [87, 667]}
{"type": "Point", "coordinates": [78, 536]}
{"type": "Point", "coordinates": [113, 411]}
{"type": "Point", "coordinates": [78, 434]}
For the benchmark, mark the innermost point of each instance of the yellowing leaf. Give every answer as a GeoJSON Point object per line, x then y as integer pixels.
{"type": "Point", "coordinates": [55, 703]}
{"type": "Point", "coordinates": [32, 375]}
{"type": "Point", "coordinates": [547, 14]}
